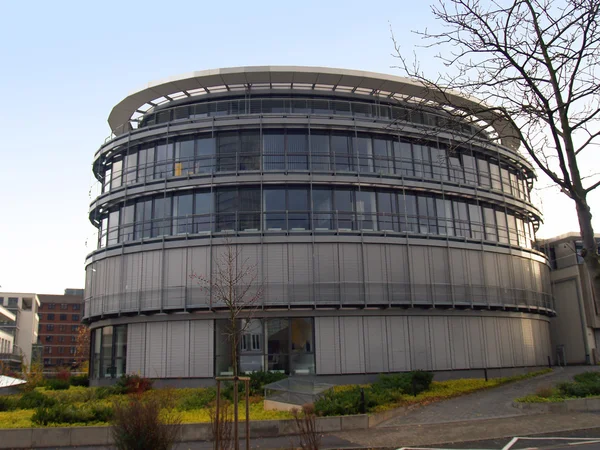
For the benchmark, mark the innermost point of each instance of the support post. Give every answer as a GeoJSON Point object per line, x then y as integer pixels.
{"type": "Point", "coordinates": [218, 411]}
{"type": "Point", "coordinates": [247, 390]}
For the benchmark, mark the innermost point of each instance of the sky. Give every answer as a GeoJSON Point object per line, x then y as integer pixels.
{"type": "Point", "coordinates": [66, 64]}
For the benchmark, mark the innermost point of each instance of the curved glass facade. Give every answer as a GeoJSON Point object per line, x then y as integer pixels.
{"type": "Point", "coordinates": [316, 208]}
{"type": "Point", "coordinates": [312, 150]}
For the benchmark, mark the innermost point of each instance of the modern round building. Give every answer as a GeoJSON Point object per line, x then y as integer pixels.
{"type": "Point", "coordinates": [388, 234]}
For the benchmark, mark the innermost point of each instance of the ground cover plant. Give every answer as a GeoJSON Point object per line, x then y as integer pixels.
{"type": "Point", "coordinates": [81, 406]}
{"type": "Point", "coordinates": [584, 385]}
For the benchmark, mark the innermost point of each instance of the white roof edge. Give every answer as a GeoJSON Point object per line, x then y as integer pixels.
{"type": "Point", "coordinates": [565, 236]}
{"type": "Point", "coordinates": [123, 111]}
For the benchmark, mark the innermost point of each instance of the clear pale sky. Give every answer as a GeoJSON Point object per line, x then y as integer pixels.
{"type": "Point", "coordinates": [66, 64]}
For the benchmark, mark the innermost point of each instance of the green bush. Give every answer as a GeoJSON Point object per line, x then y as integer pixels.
{"type": "Point", "coordinates": [587, 377]}
{"type": "Point", "coordinates": [57, 384]}
{"type": "Point", "coordinates": [7, 404]}
{"type": "Point", "coordinates": [406, 383]}
{"type": "Point", "coordinates": [107, 391]}
{"type": "Point", "coordinates": [80, 380]}
{"type": "Point", "coordinates": [341, 401]}
{"type": "Point", "coordinates": [198, 399]}
{"type": "Point", "coordinates": [579, 389]}
{"type": "Point", "coordinates": [258, 380]}
{"type": "Point", "coordinates": [421, 381]}
{"type": "Point", "coordinates": [68, 414]}
{"type": "Point", "coordinates": [134, 384]}
{"type": "Point", "coordinates": [34, 399]}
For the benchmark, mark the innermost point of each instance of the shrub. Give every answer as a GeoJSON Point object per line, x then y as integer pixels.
{"type": "Point", "coordinates": [587, 377]}
{"type": "Point", "coordinates": [258, 380]}
{"type": "Point", "coordinates": [34, 399]}
{"type": "Point", "coordinates": [198, 399]}
{"type": "Point", "coordinates": [141, 424]}
{"type": "Point", "coordinates": [406, 383]}
{"type": "Point", "coordinates": [7, 404]}
{"type": "Point", "coordinates": [224, 430]}
{"type": "Point", "coordinates": [56, 384]}
{"type": "Point", "coordinates": [579, 389]}
{"type": "Point", "coordinates": [106, 391]}
{"type": "Point", "coordinates": [344, 400]}
{"type": "Point", "coordinates": [134, 384]}
{"type": "Point", "coordinates": [60, 414]}
{"type": "Point", "coordinates": [63, 374]}
{"type": "Point", "coordinates": [80, 380]}
{"type": "Point", "coordinates": [421, 381]}
{"type": "Point", "coordinates": [545, 392]}
{"type": "Point", "coordinates": [308, 430]}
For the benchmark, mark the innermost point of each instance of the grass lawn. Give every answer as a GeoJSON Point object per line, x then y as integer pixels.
{"type": "Point", "coordinates": [193, 404]}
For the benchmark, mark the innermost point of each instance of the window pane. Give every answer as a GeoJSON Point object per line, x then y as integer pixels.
{"type": "Point", "coordinates": [319, 149]}
{"type": "Point", "coordinates": [298, 209]}
{"type": "Point", "coordinates": [366, 210]}
{"type": "Point", "coordinates": [484, 172]}
{"type": "Point", "coordinates": [223, 357]}
{"type": "Point", "coordinates": [470, 169]}
{"type": "Point", "coordinates": [143, 219]}
{"type": "Point", "coordinates": [341, 149]}
{"type": "Point", "coordinates": [117, 173]}
{"type": "Point", "coordinates": [461, 219]}
{"type": "Point", "coordinates": [512, 230]}
{"type": "Point", "coordinates": [365, 153]}
{"type": "Point", "coordinates": [161, 219]}
{"type": "Point", "coordinates": [387, 211]}
{"type": "Point", "coordinates": [250, 150]}
{"type": "Point", "coordinates": [344, 208]}
{"type": "Point", "coordinates": [127, 220]}
{"type": "Point", "coordinates": [251, 346]}
{"type": "Point", "coordinates": [205, 160]}
{"type": "Point", "coordinates": [226, 208]}
{"type": "Point", "coordinates": [249, 215]}
{"type": "Point", "coordinates": [476, 221]}
{"type": "Point", "coordinates": [490, 224]}
{"type": "Point", "coordinates": [302, 346]}
{"type": "Point", "coordinates": [184, 157]}
{"type": "Point", "coordinates": [273, 150]}
{"type": "Point", "coordinates": [297, 150]}
{"type": "Point", "coordinates": [113, 227]}
{"type": "Point", "coordinates": [203, 210]}
{"type": "Point", "coordinates": [407, 205]}
{"type": "Point", "coordinates": [120, 349]}
{"type": "Point", "coordinates": [164, 161]}
{"type": "Point", "coordinates": [131, 168]}
{"type": "Point", "coordinates": [383, 153]}
{"type": "Point", "coordinates": [495, 176]}
{"type": "Point", "coordinates": [227, 151]}
{"type": "Point", "coordinates": [322, 207]}
{"type": "Point", "coordinates": [182, 213]}
{"type": "Point", "coordinates": [107, 340]}
{"type": "Point", "coordinates": [278, 344]}
{"type": "Point", "coordinates": [502, 228]}
{"type": "Point", "coordinates": [275, 209]}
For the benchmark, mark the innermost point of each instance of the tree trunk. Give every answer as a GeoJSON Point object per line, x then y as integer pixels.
{"type": "Point", "coordinates": [590, 255]}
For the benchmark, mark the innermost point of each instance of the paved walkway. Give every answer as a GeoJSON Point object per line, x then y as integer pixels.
{"type": "Point", "coordinates": [493, 403]}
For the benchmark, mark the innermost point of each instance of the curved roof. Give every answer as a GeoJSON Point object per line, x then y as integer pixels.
{"type": "Point", "coordinates": [297, 77]}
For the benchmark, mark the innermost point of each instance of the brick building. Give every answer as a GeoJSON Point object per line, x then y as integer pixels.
{"type": "Point", "coordinates": [60, 317]}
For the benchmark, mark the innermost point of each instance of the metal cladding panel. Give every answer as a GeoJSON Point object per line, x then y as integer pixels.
{"type": "Point", "coordinates": [516, 331]}
{"type": "Point", "coordinates": [376, 291]}
{"type": "Point", "coordinates": [442, 292]}
{"type": "Point", "coordinates": [136, 348]}
{"type": "Point", "coordinates": [475, 272]}
{"type": "Point", "coordinates": [492, 344]}
{"type": "Point", "coordinates": [351, 277]}
{"type": "Point", "coordinates": [327, 350]}
{"type": "Point", "coordinates": [399, 277]}
{"type": "Point", "coordinates": [352, 345]}
{"type": "Point", "coordinates": [398, 344]}
{"type": "Point", "coordinates": [201, 348]}
{"type": "Point", "coordinates": [300, 273]}
{"type": "Point", "coordinates": [133, 281]}
{"type": "Point", "coordinates": [528, 342]}
{"type": "Point", "coordinates": [476, 343]}
{"type": "Point", "coordinates": [540, 342]}
{"type": "Point", "coordinates": [505, 339]}
{"type": "Point", "coordinates": [566, 328]}
{"type": "Point", "coordinates": [175, 278]}
{"type": "Point", "coordinates": [113, 284]}
{"type": "Point", "coordinates": [440, 343]}
{"type": "Point", "coordinates": [276, 270]}
{"type": "Point", "coordinates": [492, 280]}
{"type": "Point", "coordinates": [460, 347]}
{"type": "Point", "coordinates": [326, 274]}
{"type": "Point", "coordinates": [376, 343]}
{"type": "Point", "coordinates": [178, 349]}
{"type": "Point", "coordinates": [420, 344]}
{"type": "Point", "coordinates": [151, 280]}
{"type": "Point", "coordinates": [249, 261]}
{"type": "Point", "coordinates": [421, 279]}
{"type": "Point", "coordinates": [156, 343]}
{"type": "Point", "coordinates": [458, 276]}
{"type": "Point", "coordinates": [506, 283]}
{"type": "Point", "coordinates": [198, 265]}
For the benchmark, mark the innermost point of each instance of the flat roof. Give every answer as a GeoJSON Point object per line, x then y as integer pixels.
{"type": "Point", "coordinates": [52, 298]}
{"type": "Point", "coordinates": [297, 77]}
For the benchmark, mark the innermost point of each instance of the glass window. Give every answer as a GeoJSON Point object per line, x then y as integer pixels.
{"type": "Point", "coordinates": [490, 224]}
{"type": "Point", "coordinates": [476, 221]}
{"type": "Point", "coordinates": [164, 161]}
{"type": "Point", "coordinates": [205, 158]}
{"type": "Point", "coordinates": [505, 181]}
{"type": "Point", "coordinates": [439, 163]}
{"type": "Point", "coordinates": [484, 172]}
{"type": "Point", "coordinates": [49, 327]}
{"type": "Point", "coordinates": [470, 169]}
{"type": "Point", "coordinates": [145, 164]}
{"type": "Point", "coordinates": [117, 172]}
{"type": "Point", "coordinates": [63, 317]}
{"type": "Point", "coordinates": [203, 211]}
{"type": "Point", "coordinates": [383, 152]}
{"type": "Point", "coordinates": [184, 157]}
{"type": "Point", "coordinates": [521, 232]}
{"type": "Point", "coordinates": [444, 215]}
{"type": "Point", "coordinates": [502, 228]}
{"type": "Point", "coordinates": [427, 216]}
{"type": "Point", "coordinates": [366, 210]}
{"type": "Point", "coordinates": [343, 204]}
{"type": "Point", "coordinates": [131, 168]}
{"type": "Point", "coordinates": [322, 209]}
{"type": "Point", "coordinates": [96, 351]}
{"type": "Point", "coordinates": [161, 217]}
{"type": "Point", "coordinates": [223, 355]}
{"type": "Point", "coordinates": [226, 209]}
{"type": "Point", "coordinates": [298, 209]}
{"type": "Point", "coordinates": [495, 176]}
{"type": "Point", "coordinates": [106, 364]}
{"type": "Point", "coordinates": [143, 219]}
{"type": "Point", "coordinates": [249, 158]}
{"type": "Point", "coordinates": [275, 209]}
{"type": "Point", "coordinates": [278, 344]}
{"type": "Point", "coordinates": [250, 209]}
{"type": "Point", "coordinates": [302, 346]}
{"type": "Point", "coordinates": [461, 218]}
{"type": "Point", "coordinates": [227, 151]}
{"type": "Point", "coordinates": [113, 227]}
{"type": "Point", "coordinates": [363, 145]}
{"type": "Point", "coordinates": [514, 185]}
{"type": "Point", "coordinates": [251, 346]}
{"type": "Point", "coordinates": [273, 150]}
{"type": "Point", "coordinates": [127, 223]}
{"type": "Point", "coordinates": [120, 350]}
{"type": "Point", "coordinates": [387, 211]}
{"type": "Point", "coordinates": [404, 159]}
{"type": "Point", "coordinates": [319, 152]}
{"type": "Point", "coordinates": [183, 205]}
{"type": "Point", "coordinates": [408, 213]}
{"type": "Point", "coordinates": [512, 229]}
{"type": "Point", "coordinates": [297, 150]}
{"type": "Point", "coordinates": [341, 149]}
{"type": "Point", "coordinates": [50, 316]}
{"type": "Point", "coordinates": [456, 170]}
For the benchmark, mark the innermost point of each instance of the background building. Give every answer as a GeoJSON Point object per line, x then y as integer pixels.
{"type": "Point", "coordinates": [24, 326]}
{"type": "Point", "coordinates": [389, 234]}
{"type": "Point", "coordinates": [60, 318]}
{"type": "Point", "coordinates": [576, 329]}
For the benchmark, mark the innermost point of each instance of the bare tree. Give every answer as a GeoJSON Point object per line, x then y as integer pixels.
{"type": "Point", "coordinates": [234, 285]}
{"type": "Point", "coordinates": [534, 64]}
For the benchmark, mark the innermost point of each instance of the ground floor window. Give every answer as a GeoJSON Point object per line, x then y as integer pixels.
{"type": "Point", "coordinates": [109, 347]}
{"type": "Point", "coordinates": [278, 344]}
